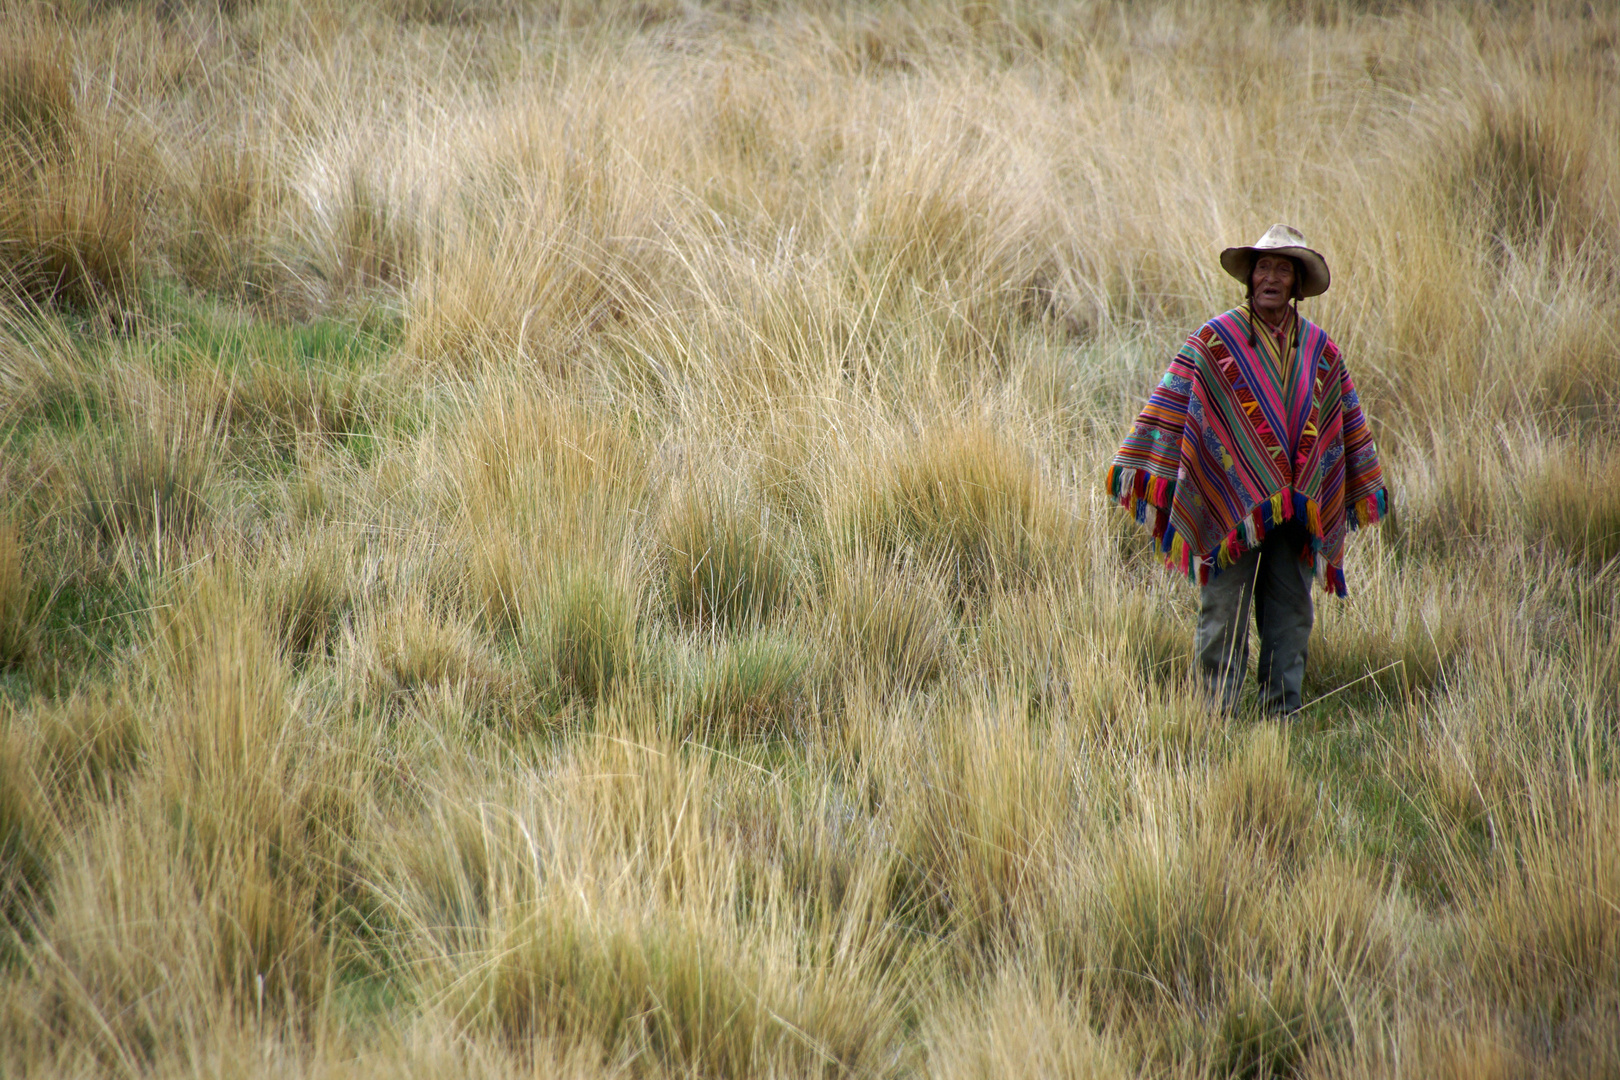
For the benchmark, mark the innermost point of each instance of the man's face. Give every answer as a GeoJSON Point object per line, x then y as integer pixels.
{"type": "Point", "coordinates": [1273, 282]}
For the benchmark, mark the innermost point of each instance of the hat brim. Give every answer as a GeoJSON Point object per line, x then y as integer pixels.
{"type": "Point", "coordinates": [1239, 261]}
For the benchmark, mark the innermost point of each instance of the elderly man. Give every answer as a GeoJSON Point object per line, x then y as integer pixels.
{"type": "Point", "coordinates": [1250, 462]}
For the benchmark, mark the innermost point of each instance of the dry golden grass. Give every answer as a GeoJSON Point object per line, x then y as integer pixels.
{"type": "Point", "coordinates": [17, 629]}
{"type": "Point", "coordinates": [564, 539]}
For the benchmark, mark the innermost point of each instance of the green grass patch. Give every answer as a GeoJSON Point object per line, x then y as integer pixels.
{"type": "Point", "coordinates": [88, 621]}
{"type": "Point", "coordinates": [184, 329]}
{"type": "Point", "coordinates": [51, 374]}
{"type": "Point", "coordinates": [1375, 812]}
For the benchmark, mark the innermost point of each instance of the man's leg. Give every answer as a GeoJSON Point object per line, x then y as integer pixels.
{"type": "Point", "coordinates": [1222, 642]}
{"type": "Point", "coordinates": [1282, 608]}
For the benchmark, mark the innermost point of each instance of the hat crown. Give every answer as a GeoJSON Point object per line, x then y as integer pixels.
{"type": "Point", "coordinates": [1281, 236]}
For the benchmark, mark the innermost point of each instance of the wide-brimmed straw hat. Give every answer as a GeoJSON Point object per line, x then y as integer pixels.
{"type": "Point", "coordinates": [1280, 240]}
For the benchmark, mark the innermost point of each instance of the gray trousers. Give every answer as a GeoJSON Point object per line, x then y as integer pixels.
{"type": "Point", "coordinates": [1280, 586]}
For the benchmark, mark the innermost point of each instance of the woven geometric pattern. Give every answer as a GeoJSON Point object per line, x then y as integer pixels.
{"type": "Point", "coordinates": [1237, 438]}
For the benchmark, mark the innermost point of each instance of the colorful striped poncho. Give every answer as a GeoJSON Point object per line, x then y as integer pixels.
{"type": "Point", "coordinates": [1208, 459]}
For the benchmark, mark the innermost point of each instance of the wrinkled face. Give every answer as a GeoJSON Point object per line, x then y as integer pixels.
{"type": "Point", "coordinates": [1272, 283]}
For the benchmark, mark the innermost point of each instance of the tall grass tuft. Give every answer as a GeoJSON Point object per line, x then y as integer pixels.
{"type": "Point", "coordinates": [669, 992]}
{"type": "Point", "coordinates": [152, 482]}
{"type": "Point", "coordinates": [273, 406]}
{"type": "Point", "coordinates": [375, 243]}
{"type": "Point", "coordinates": [725, 565]}
{"type": "Point", "coordinates": [233, 862]}
{"type": "Point", "coordinates": [748, 687]}
{"type": "Point", "coordinates": [307, 596]}
{"type": "Point", "coordinates": [85, 746]}
{"type": "Point", "coordinates": [1406, 637]}
{"type": "Point", "coordinates": [1454, 496]}
{"type": "Point", "coordinates": [1020, 1025]}
{"type": "Point", "coordinates": [1575, 506]}
{"type": "Point", "coordinates": [985, 821]}
{"type": "Point", "coordinates": [58, 761]}
{"type": "Point", "coordinates": [1546, 938]}
{"type": "Point", "coordinates": [36, 90]}
{"type": "Point", "coordinates": [963, 500]}
{"type": "Point", "coordinates": [75, 184]}
{"type": "Point", "coordinates": [562, 212]}
{"type": "Point", "coordinates": [547, 470]}
{"type": "Point", "coordinates": [1171, 912]}
{"type": "Point", "coordinates": [887, 626]}
{"type": "Point", "coordinates": [26, 838]}
{"type": "Point", "coordinates": [1259, 799]}
{"type": "Point", "coordinates": [1269, 1028]}
{"type": "Point", "coordinates": [1528, 175]}
{"type": "Point", "coordinates": [582, 640]}
{"type": "Point", "coordinates": [231, 196]}
{"type": "Point", "coordinates": [44, 375]}
{"type": "Point", "coordinates": [411, 653]}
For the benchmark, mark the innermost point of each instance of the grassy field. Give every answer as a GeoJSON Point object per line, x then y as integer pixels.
{"type": "Point", "coordinates": [563, 539]}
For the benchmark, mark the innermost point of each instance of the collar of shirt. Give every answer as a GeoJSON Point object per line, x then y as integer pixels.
{"type": "Point", "coordinates": [1279, 333]}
